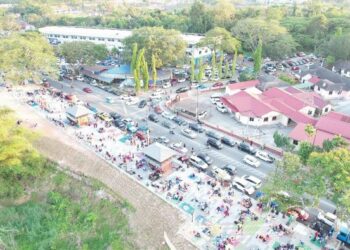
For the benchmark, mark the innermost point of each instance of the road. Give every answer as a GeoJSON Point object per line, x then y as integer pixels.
{"type": "Point", "coordinates": [222, 157]}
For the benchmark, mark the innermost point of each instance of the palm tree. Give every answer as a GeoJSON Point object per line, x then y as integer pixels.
{"type": "Point", "coordinates": [310, 130]}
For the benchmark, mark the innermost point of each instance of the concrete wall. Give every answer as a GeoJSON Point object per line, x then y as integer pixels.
{"type": "Point", "coordinates": [326, 93]}
{"type": "Point", "coordinates": [259, 121]}
{"type": "Point", "coordinates": [306, 110]}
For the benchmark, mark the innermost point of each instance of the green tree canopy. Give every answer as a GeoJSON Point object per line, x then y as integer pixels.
{"type": "Point", "coordinates": [24, 55]}
{"type": "Point", "coordinates": [201, 19]}
{"type": "Point", "coordinates": [167, 46]}
{"type": "Point", "coordinates": [83, 52]}
{"type": "Point", "coordinates": [220, 39]}
{"type": "Point", "coordinates": [337, 47]}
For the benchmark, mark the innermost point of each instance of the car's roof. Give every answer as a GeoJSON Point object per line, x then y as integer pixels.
{"type": "Point", "coordinates": [253, 178]}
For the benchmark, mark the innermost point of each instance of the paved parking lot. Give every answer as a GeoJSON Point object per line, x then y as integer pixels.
{"type": "Point", "coordinates": [227, 121]}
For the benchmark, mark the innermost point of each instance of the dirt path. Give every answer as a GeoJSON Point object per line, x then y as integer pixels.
{"type": "Point", "coordinates": [152, 215]}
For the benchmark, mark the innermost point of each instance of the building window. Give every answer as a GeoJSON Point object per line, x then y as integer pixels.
{"type": "Point", "coordinates": [326, 110]}
{"type": "Point", "coordinates": [331, 92]}
{"type": "Point", "coordinates": [295, 142]}
{"type": "Point", "coordinates": [266, 119]}
{"type": "Point", "coordinates": [57, 36]}
{"type": "Point", "coordinates": [65, 36]}
{"type": "Point", "coordinates": [91, 38]}
{"type": "Point", "coordinates": [74, 37]}
{"type": "Point", "coordinates": [309, 112]}
{"type": "Point", "coordinates": [251, 119]}
{"type": "Point", "coordinates": [274, 118]}
{"type": "Point", "coordinates": [101, 39]}
{"type": "Point", "coordinates": [339, 92]}
{"type": "Point", "coordinates": [319, 88]}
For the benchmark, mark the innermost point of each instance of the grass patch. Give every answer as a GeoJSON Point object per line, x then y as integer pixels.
{"type": "Point", "coordinates": [67, 214]}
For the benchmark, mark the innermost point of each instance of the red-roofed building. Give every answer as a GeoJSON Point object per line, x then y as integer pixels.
{"type": "Point", "coordinates": [327, 127]}
{"type": "Point", "coordinates": [249, 86]}
{"type": "Point", "coordinates": [285, 106]}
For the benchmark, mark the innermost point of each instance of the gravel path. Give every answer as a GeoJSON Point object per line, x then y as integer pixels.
{"type": "Point", "coordinates": [152, 215]}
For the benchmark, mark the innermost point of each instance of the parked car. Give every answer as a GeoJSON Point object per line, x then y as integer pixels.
{"type": "Point", "coordinates": [251, 160]}
{"type": "Point", "coordinates": [295, 68]}
{"type": "Point", "coordinates": [153, 118]}
{"type": "Point", "coordinates": [222, 109]}
{"type": "Point", "coordinates": [206, 158]}
{"type": "Point", "coordinates": [214, 143]}
{"type": "Point", "coordinates": [80, 78]}
{"type": "Point", "coordinates": [162, 139]}
{"type": "Point", "coordinates": [198, 163]}
{"type": "Point", "coordinates": [246, 148]}
{"type": "Point", "coordinates": [179, 121]}
{"type": "Point", "coordinates": [158, 110]}
{"type": "Point", "coordinates": [256, 182]}
{"type": "Point", "coordinates": [196, 127]}
{"type": "Point", "coordinates": [227, 141]}
{"type": "Point", "coordinates": [188, 133]}
{"type": "Point", "coordinates": [214, 135]}
{"type": "Point", "coordinates": [229, 168]}
{"type": "Point", "coordinates": [264, 156]}
{"type": "Point", "coordinates": [120, 124]}
{"type": "Point", "coordinates": [298, 213]}
{"type": "Point", "coordinates": [327, 218]}
{"type": "Point", "coordinates": [87, 90]}
{"type": "Point", "coordinates": [182, 90]}
{"type": "Point", "coordinates": [104, 117]}
{"type": "Point", "coordinates": [221, 174]}
{"type": "Point", "coordinates": [140, 135]}
{"type": "Point", "coordinates": [168, 115]}
{"type": "Point", "coordinates": [168, 125]}
{"type": "Point", "coordinates": [166, 85]}
{"type": "Point", "coordinates": [243, 185]}
{"type": "Point", "coordinates": [142, 104]}
{"type": "Point", "coordinates": [179, 147]}
{"type": "Point", "coordinates": [218, 84]}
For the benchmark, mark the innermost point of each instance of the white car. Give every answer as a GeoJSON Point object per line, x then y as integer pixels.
{"type": "Point", "coordinates": [188, 133]}
{"type": "Point", "coordinates": [264, 156]}
{"type": "Point", "coordinates": [215, 100]}
{"type": "Point", "coordinates": [124, 97]}
{"type": "Point", "coordinates": [243, 185]}
{"type": "Point", "coordinates": [194, 85]}
{"type": "Point", "coordinates": [219, 104]}
{"type": "Point", "coordinates": [256, 182]}
{"type": "Point", "coordinates": [132, 101]}
{"type": "Point", "coordinates": [168, 115]}
{"type": "Point", "coordinates": [181, 79]}
{"type": "Point", "coordinates": [80, 78]}
{"type": "Point", "coordinates": [327, 218]}
{"type": "Point", "coordinates": [220, 174]}
{"type": "Point", "coordinates": [222, 109]}
{"type": "Point", "coordinates": [179, 147]}
{"type": "Point", "coordinates": [198, 163]}
{"type": "Point", "coordinates": [166, 85]}
{"type": "Point", "coordinates": [251, 160]}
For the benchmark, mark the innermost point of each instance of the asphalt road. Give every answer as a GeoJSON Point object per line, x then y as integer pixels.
{"type": "Point", "coordinates": [222, 157]}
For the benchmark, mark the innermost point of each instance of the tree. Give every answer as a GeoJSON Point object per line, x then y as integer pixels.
{"type": "Point", "coordinates": [201, 20]}
{"type": "Point", "coordinates": [220, 64]}
{"type": "Point", "coordinates": [281, 46]}
{"type": "Point", "coordinates": [337, 48]}
{"type": "Point", "coordinates": [137, 70]}
{"type": "Point", "coordinates": [290, 182]}
{"type": "Point", "coordinates": [134, 56]}
{"type": "Point", "coordinates": [213, 60]}
{"type": "Point", "coordinates": [145, 73]}
{"type": "Point", "coordinates": [192, 73]}
{"type": "Point", "coordinates": [220, 39]}
{"type": "Point", "coordinates": [304, 151]}
{"type": "Point", "coordinates": [333, 167]}
{"type": "Point", "coordinates": [310, 131]}
{"type": "Point", "coordinates": [200, 74]}
{"type": "Point", "coordinates": [227, 69]}
{"type": "Point", "coordinates": [234, 63]}
{"type": "Point", "coordinates": [24, 56]}
{"type": "Point", "coordinates": [167, 46]}
{"type": "Point", "coordinates": [258, 58]}
{"type": "Point", "coordinates": [282, 141]}
{"type": "Point", "coordinates": [83, 52]}
{"type": "Point", "coordinates": [336, 142]}
{"type": "Point", "coordinates": [223, 13]}
{"type": "Point", "coordinates": [154, 71]}
{"type": "Point", "coordinates": [252, 30]}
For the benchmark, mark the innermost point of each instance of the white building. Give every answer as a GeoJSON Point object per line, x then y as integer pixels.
{"type": "Point", "coordinates": [112, 38]}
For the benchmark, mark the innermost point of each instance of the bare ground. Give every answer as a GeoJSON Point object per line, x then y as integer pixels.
{"type": "Point", "coordinates": [152, 216]}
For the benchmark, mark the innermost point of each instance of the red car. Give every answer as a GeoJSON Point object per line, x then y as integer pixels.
{"type": "Point", "coordinates": [298, 213]}
{"type": "Point", "coordinates": [87, 90]}
{"type": "Point", "coordinates": [158, 110]}
{"type": "Point", "coordinates": [295, 68]}
{"type": "Point", "coordinates": [218, 84]}
{"type": "Point", "coordinates": [140, 135]}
